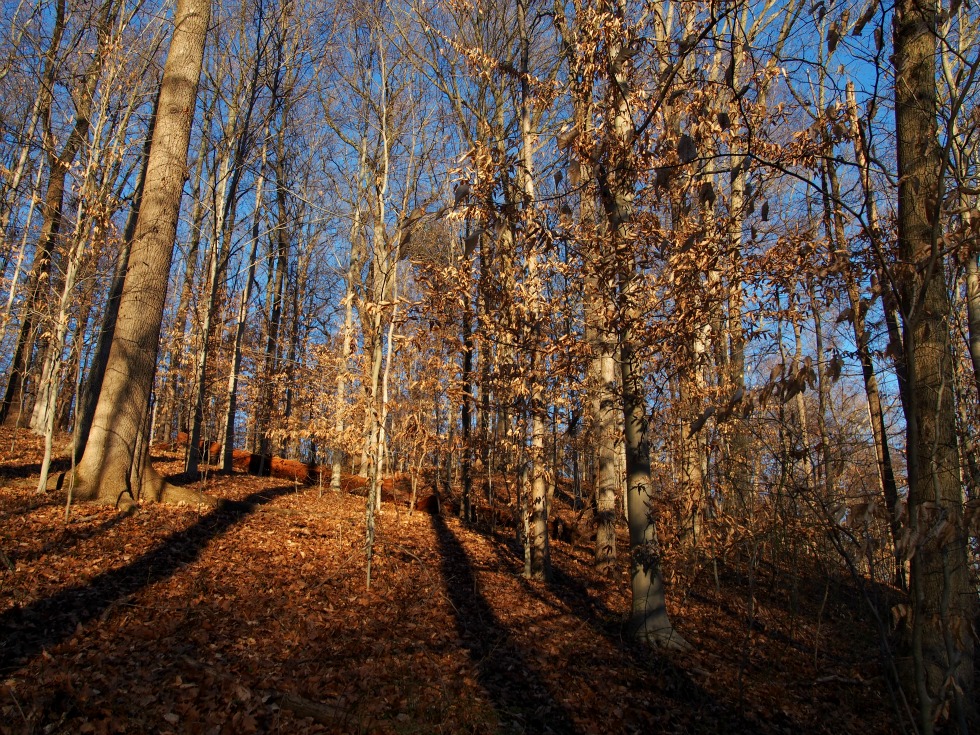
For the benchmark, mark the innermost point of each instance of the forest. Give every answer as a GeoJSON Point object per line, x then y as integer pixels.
{"type": "Point", "coordinates": [489, 366]}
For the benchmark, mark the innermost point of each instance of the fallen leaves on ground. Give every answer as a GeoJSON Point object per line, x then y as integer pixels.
{"type": "Point", "coordinates": [255, 617]}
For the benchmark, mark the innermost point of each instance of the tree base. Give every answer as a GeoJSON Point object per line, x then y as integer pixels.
{"type": "Point", "coordinates": [119, 493]}
{"type": "Point", "coordinates": [666, 639]}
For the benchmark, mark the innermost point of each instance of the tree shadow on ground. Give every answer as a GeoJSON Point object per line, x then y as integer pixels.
{"type": "Point", "coordinates": [33, 469]}
{"type": "Point", "coordinates": [26, 631]}
{"type": "Point", "coordinates": [66, 537]}
{"type": "Point", "coordinates": [520, 697]}
{"type": "Point", "coordinates": [676, 697]}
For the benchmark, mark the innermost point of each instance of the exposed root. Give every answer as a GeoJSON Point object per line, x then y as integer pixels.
{"type": "Point", "coordinates": [174, 494]}
{"type": "Point", "coordinates": [153, 489]}
{"type": "Point", "coordinates": [666, 639]}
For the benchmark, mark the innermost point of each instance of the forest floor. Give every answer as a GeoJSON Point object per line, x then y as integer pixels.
{"type": "Point", "coordinates": [255, 617]}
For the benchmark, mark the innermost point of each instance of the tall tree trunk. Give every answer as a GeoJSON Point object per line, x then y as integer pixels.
{"type": "Point", "coordinates": [114, 444]}
{"type": "Point", "coordinates": [43, 420]}
{"type": "Point", "coordinates": [93, 381]}
{"type": "Point", "coordinates": [605, 408]}
{"type": "Point", "coordinates": [466, 400]}
{"type": "Point", "coordinates": [47, 386]}
{"type": "Point", "coordinates": [973, 314]}
{"type": "Point", "coordinates": [174, 380]}
{"type": "Point", "coordinates": [603, 383]}
{"type": "Point", "coordinates": [356, 262]}
{"type": "Point", "coordinates": [692, 445]}
{"type": "Point", "coordinates": [40, 110]}
{"type": "Point", "coordinates": [876, 414]}
{"type": "Point", "coordinates": [58, 167]}
{"type": "Point", "coordinates": [228, 432]}
{"type": "Point", "coordinates": [943, 599]}
{"type": "Point", "coordinates": [540, 556]}
{"type": "Point", "coordinates": [616, 176]}
{"type": "Point", "coordinates": [875, 235]}
{"type": "Point", "coordinates": [648, 619]}
{"type": "Point", "coordinates": [275, 290]}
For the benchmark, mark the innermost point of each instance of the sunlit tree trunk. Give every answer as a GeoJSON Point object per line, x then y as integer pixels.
{"type": "Point", "coordinates": [616, 176]}
{"type": "Point", "coordinates": [42, 418]}
{"type": "Point", "coordinates": [540, 557]}
{"type": "Point", "coordinates": [120, 421]}
{"type": "Point", "coordinates": [174, 381]}
{"type": "Point", "coordinates": [40, 110]}
{"type": "Point", "coordinates": [59, 163]}
{"type": "Point", "coordinates": [237, 132]}
{"type": "Point", "coordinates": [92, 385]}
{"type": "Point", "coordinates": [228, 432]}
{"type": "Point", "coordinates": [604, 407]}
{"type": "Point", "coordinates": [356, 262]}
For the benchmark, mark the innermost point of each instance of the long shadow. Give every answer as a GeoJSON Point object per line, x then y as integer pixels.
{"type": "Point", "coordinates": [68, 537]}
{"type": "Point", "coordinates": [574, 594]}
{"type": "Point", "coordinates": [26, 631]}
{"type": "Point", "coordinates": [23, 471]}
{"type": "Point", "coordinates": [502, 669]}
{"type": "Point", "coordinates": [705, 712]}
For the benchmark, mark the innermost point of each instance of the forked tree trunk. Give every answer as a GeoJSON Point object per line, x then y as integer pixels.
{"type": "Point", "coordinates": [116, 437]}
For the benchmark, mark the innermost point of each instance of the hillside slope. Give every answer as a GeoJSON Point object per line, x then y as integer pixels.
{"type": "Point", "coordinates": [254, 617]}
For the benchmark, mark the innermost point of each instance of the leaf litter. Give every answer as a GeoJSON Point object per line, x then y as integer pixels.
{"type": "Point", "coordinates": [255, 618]}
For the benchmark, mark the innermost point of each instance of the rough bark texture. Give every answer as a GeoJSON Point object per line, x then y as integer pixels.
{"type": "Point", "coordinates": [943, 600]}
{"type": "Point", "coordinates": [121, 413]}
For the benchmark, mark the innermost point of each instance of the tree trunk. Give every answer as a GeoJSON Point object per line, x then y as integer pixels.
{"type": "Point", "coordinates": [605, 404]}
{"type": "Point", "coordinates": [648, 620]}
{"type": "Point", "coordinates": [466, 400]}
{"type": "Point", "coordinates": [347, 343]}
{"type": "Point", "coordinates": [89, 394]}
{"type": "Point", "coordinates": [540, 556]}
{"type": "Point", "coordinates": [876, 413]}
{"type": "Point", "coordinates": [617, 180]}
{"type": "Point", "coordinates": [228, 433]}
{"type": "Point", "coordinates": [174, 381]}
{"type": "Point", "coordinates": [973, 315]}
{"type": "Point", "coordinates": [47, 386]}
{"type": "Point", "coordinates": [275, 289]}
{"type": "Point", "coordinates": [943, 599]}
{"type": "Point", "coordinates": [39, 111]}
{"type": "Point", "coordinates": [104, 472]}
